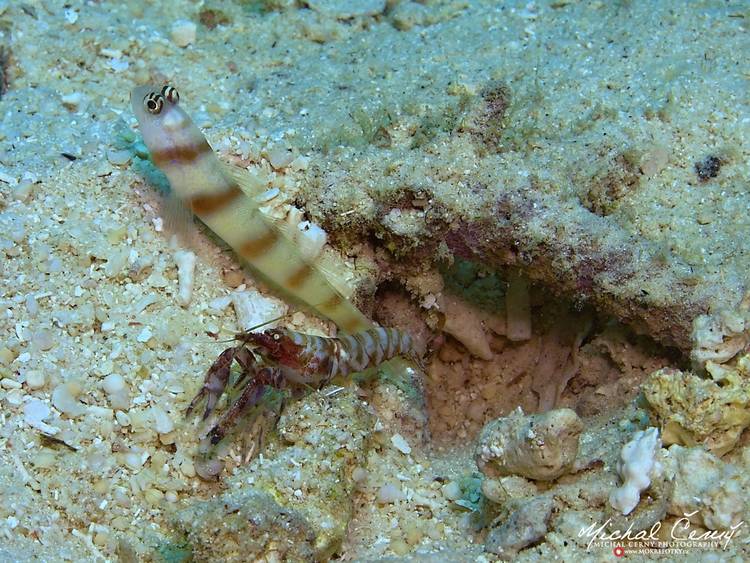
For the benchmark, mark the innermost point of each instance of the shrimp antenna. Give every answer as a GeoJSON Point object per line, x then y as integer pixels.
{"type": "Point", "coordinates": [252, 328]}
{"type": "Point", "coordinates": [268, 322]}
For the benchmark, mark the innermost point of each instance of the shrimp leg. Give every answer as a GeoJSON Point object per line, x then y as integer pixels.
{"type": "Point", "coordinates": [217, 377]}
{"type": "Point", "coordinates": [250, 397]}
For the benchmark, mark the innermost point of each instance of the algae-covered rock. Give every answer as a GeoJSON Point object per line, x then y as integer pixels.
{"type": "Point", "coordinates": [539, 446]}
{"type": "Point", "coordinates": [246, 525]}
{"type": "Point", "coordinates": [693, 410]}
{"type": "Point", "coordinates": [294, 502]}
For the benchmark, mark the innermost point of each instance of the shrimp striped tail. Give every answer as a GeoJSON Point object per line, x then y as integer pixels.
{"type": "Point", "coordinates": [370, 348]}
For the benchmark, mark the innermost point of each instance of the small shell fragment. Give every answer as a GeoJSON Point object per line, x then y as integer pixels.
{"type": "Point", "coordinates": [311, 239]}
{"type": "Point", "coordinates": [183, 33]}
{"type": "Point", "coordinates": [400, 443]}
{"type": "Point", "coordinates": [34, 413]}
{"type": "Point", "coordinates": [118, 157]}
{"type": "Point", "coordinates": [268, 195]}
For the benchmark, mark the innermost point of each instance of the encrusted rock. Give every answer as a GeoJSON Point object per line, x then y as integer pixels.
{"type": "Point", "coordinates": [693, 410]}
{"type": "Point", "coordinates": [526, 525]}
{"type": "Point", "coordinates": [539, 446]}
{"type": "Point", "coordinates": [719, 337]}
{"type": "Point", "coordinates": [706, 488]}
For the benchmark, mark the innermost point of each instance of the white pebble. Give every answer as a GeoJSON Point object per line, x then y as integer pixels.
{"type": "Point", "coordinates": [162, 422]}
{"type": "Point", "coordinates": [185, 275]}
{"type": "Point", "coordinates": [116, 262]}
{"type": "Point", "coordinates": [145, 335]}
{"type": "Point", "coordinates": [64, 399]}
{"type": "Point", "coordinates": [118, 65]}
{"type": "Point", "coordinates": [144, 302]}
{"type": "Point", "coordinates": [8, 383]}
{"type": "Point", "coordinates": [113, 383]}
{"type": "Point", "coordinates": [183, 33]}
{"type": "Point", "coordinates": [71, 16]}
{"type": "Point", "coordinates": [43, 339]}
{"type": "Point", "coordinates": [280, 157]}
{"type": "Point", "coordinates": [452, 491]}
{"type": "Point", "coordinates": [359, 474]}
{"type": "Point", "coordinates": [36, 378]}
{"type": "Point", "coordinates": [72, 100]}
{"type": "Point", "coordinates": [23, 190]}
{"type": "Point", "coordinates": [220, 303]}
{"type": "Point", "coordinates": [32, 305]}
{"type": "Point", "coordinates": [122, 418]}
{"type": "Point", "coordinates": [117, 391]}
{"type": "Point", "coordinates": [389, 493]}
{"type": "Point", "coordinates": [400, 443]}
{"type": "Point", "coordinates": [135, 460]}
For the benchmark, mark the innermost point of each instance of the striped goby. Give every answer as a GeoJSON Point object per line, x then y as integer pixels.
{"type": "Point", "coordinates": [211, 190]}
{"type": "Point", "coordinates": [315, 360]}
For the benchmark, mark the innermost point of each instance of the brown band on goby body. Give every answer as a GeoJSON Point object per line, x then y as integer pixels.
{"type": "Point", "coordinates": [184, 154]}
{"type": "Point", "coordinates": [297, 279]}
{"type": "Point", "coordinates": [254, 247]}
{"type": "Point", "coordinates": [206, 204]}
{"type": "Point", "coordinates": [334, 301]}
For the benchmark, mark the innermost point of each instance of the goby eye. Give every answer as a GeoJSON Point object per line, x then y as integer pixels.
{"type": "Point", "coordinates": [171, 94]}
{"type": "Point", "coordinates": [153, 103]}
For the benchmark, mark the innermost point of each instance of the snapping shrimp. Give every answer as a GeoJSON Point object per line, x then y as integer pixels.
{"type": "Point", "coordinates": [279, 358]}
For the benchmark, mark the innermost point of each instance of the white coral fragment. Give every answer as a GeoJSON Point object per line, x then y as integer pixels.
{"type": "Point", "coordinates": [253, 309]}
{"type": "Point", "coordinates": [185, 275]}
{"type": "Point", "coordinates": [638, 465]}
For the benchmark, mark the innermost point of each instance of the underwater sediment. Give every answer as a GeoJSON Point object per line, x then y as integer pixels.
{"type": "Point", "coordinates": [550, 197]}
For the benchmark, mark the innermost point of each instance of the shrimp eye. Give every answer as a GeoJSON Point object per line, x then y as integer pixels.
{"type": "Point", "coordinates": [276, 336]}
{"type": "Point", "coordinates": [171, 94]}
{"type": "Point", "coordinates": [153, 103]}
